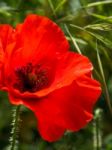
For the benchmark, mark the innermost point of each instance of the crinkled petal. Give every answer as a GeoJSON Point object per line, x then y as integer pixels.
{"type": "Point", "coordinates": [66, 108]}
{"type": "Point", "coordinates": [5, 40]}
{"type": "Point", "coordinates": [38, 39]}
{"type": "Point", "coordinates": [70, 67]}
{"type": "Point", "coordinates": [5, 35]}
{"type": "Point", "coordinates": [49, 130]}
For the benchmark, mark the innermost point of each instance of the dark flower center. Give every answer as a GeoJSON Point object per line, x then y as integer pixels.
{"type": "Point", "coordinates": [30, 78]}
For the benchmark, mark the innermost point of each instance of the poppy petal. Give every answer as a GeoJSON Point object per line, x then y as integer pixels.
{"type": "Point", "coordinates": [69, 68]}
{"type": "Point", "coordinates": [5, 35]}
{"type": "Point", "coordinates": [66, 108]}
{"type": "Point", "coordinates": [38, 38]}
{"type": "Point", "coordinates": [49, 130]}
{"type": "Point", "coordinates": [66, 103]}
{"type": "Point", "coordinates": [5, 39]}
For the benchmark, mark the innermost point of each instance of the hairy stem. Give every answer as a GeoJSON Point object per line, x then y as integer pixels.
{"type": "Point", "coordinates": [15, 129]}
{"type": "Point", "coordinates": [97, 132]}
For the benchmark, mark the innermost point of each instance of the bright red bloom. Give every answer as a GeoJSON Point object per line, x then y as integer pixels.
{"type": "Point", "coordinates": [38, 70]}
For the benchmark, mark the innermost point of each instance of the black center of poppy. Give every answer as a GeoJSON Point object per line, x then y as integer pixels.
{"type": "Point", "coordinates": [30, 78]}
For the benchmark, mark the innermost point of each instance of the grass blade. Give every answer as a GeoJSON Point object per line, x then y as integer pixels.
{"type": "Point", "coordinates": [52, 7]}
{"type": "Point", "coordinates": [60, 5]}
{"type": "Point", "coordinates": [98, 3]}
{"type": "Point", "coordinates": [105, 41]}
{"type": "Point", "coordinates": [73, 39]}
{"type": "Point", "coordinates": [104, 81]}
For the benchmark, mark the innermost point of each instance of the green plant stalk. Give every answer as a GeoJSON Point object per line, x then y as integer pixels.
{"type": "Point", "coordinates": [97, 132]}
{"type": "Point", "coordinates": [15, 128]}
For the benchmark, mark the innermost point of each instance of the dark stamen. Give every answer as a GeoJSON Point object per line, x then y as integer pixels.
{"type": "Point", "coordinates": [30, 78]}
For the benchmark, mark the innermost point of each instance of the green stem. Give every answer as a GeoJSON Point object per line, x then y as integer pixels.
{"type": "Point", "coordinates": [14, 132]}
{"type": "Point", "coordinates": [97, 132]}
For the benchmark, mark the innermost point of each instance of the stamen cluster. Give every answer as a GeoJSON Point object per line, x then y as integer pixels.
{"type": "Point", "coordinates": [30, 78]}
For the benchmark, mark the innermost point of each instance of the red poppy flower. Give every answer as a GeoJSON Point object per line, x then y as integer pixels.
{"type": "Point", "coordinates": [38, 70]}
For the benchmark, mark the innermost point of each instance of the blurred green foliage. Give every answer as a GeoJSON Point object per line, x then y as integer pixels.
{"type": "Point", "coordinates": [88, 21]}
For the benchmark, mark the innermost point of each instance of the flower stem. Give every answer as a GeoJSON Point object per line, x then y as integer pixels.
{"type": "Point", "coordinates": [97, 132]}
{"type": "Point", "coordinates": [15, 129]}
